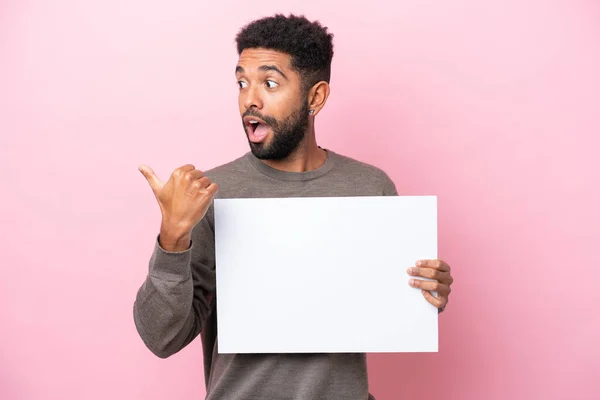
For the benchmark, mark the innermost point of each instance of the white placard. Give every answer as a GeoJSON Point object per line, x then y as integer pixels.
{"type": "Point", "coordinates": [324, 275]}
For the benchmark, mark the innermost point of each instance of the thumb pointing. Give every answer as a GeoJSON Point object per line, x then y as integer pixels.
{"type": "Point", "coordinates": [151, 177]}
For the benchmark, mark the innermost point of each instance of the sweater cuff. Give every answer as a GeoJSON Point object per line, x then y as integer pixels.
{"type": "Point", "coordinates": [170, 265]}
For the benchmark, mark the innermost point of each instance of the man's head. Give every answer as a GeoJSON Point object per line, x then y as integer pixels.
{"type": "Point", "coordinates": [283, 73]}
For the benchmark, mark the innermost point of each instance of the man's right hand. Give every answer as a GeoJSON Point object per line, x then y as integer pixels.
{"type": "Point", "coordinates": [183, 200]}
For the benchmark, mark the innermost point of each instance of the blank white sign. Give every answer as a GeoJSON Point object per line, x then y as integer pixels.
{"type": "Point", "coordinates": [324, 275]}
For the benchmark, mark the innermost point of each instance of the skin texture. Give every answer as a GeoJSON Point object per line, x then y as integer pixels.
{"type": "Point", "coordinates": [270, 90]}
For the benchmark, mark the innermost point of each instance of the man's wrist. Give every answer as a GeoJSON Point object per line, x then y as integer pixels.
{"type": "Point", "coordinates": [174, 240]}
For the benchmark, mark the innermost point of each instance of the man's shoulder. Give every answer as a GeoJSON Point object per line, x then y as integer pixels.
{"type": "Point", "coordinates": [353, 169]}
{"type": "Point", "coordinates": [355, 166]}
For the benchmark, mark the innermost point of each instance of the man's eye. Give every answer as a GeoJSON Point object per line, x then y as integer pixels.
{"type": "Point", "coordinates": [272, 84]}
{"type": "Point", "coordinates": [242, 84]}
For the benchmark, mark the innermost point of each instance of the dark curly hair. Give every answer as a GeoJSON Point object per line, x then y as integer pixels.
{"type": "Point", "coordinates": [308, 43]}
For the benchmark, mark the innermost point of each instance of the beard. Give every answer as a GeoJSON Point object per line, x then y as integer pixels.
{"type": "Point", "coordinates": [287, 134]}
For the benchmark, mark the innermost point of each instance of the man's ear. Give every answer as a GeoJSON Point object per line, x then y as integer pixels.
{"type": "Point", "coordinates": [317, 96]}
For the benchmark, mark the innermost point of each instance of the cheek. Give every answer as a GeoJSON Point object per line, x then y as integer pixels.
{"type": "Point", "coordinates": [281, 105]}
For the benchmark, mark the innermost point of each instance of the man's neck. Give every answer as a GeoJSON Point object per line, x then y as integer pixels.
{"type": "Point", "coordinates": [307, 156]}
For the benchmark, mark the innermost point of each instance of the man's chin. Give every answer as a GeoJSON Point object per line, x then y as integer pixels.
{"type": "Point", "coordinates": [257, 149]}
{"type": "Point", "coordinates": [263, 152]}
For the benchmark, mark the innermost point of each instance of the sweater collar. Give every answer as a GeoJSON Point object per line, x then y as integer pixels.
{"type": "Point", "coordinates": [292, 176]}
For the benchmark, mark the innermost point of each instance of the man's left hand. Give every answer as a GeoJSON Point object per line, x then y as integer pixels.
{"type": "Point", "coordinates": [440, 272]}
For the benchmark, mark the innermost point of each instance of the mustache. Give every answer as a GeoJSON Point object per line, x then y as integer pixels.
{"type": "Point", "coordinates": [268, 120]}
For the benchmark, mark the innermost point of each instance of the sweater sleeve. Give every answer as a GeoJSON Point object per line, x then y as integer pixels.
{"type": "Point", "coordinates": [389, 187]}
{"type": "Point", "coordinates": [176, 298]}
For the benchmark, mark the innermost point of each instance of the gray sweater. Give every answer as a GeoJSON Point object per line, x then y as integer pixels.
{"type": "Point", "coordinates": [176, 301]}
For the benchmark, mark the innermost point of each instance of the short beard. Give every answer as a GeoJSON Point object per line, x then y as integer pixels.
{"type": "Point", "coordinates": [287, 134]}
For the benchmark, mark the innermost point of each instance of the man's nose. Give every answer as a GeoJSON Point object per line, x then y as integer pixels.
{"type": "Point", "coordinates": [253, 98]}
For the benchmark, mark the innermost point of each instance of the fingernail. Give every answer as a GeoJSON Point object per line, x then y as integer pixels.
{"type": "Point", "coordinates": [410, 270]}
{"type": "Point", "coordinates": [411, 282]}
{"type": "Point", "coordinates": [418, 263]}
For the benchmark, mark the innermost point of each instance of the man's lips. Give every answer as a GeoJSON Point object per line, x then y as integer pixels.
{"type": "Point", "coordinates": [256, 128]}
{"type": "Point", "coordinates": [248, 118]}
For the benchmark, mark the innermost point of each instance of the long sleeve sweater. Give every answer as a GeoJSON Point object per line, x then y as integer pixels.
{"type": "Point", "coordinates": [176, 302]}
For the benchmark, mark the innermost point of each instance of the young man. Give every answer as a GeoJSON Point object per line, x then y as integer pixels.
{"type": "Point", "coordinates": [283, 75]}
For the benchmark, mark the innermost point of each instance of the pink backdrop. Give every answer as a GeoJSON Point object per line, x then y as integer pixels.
{"type": "Point", "coordinates": [492, 105]}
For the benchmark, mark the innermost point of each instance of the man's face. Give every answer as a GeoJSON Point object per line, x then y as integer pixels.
{"type": "Point", "coordinates": [272, 104]}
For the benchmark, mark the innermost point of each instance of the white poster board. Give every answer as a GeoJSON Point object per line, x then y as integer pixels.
{"type": "Point", "coordinates": [327, 274]}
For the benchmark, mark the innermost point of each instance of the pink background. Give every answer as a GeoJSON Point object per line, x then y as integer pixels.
{"type": "Point", "coordinates": [492, 105]}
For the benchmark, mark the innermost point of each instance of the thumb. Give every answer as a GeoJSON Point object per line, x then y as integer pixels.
{"type": "Point", "coordinates": [151, 177]}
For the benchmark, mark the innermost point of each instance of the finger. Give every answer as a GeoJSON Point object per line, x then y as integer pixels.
{"type": "Point", "coordinates": [204, 182]}
{"type": "Point", "coordinates": [193, 175]}
{"type": "Point", "coordinates": [183, 170]}
{"type": "Point", "coordinates": [435, 264]}
{"type": "Point", "coordinates": [151, 177]}
{"type": "Point", "coordinates": [434, 286]}
{"type": "Point", "coordinates": [430, 273]}
{"type": "Point", "coordinates": [192, 188]}
{"type": "Point", "coordinates": [212, 190]}
{"type": "Point", "coordinates": [438, 302]}
{"type": "Point", "coordinates": [187, 167]}
{"type": "Point", "coordinates": [198, 186]}
{"type": "Point", "coordinates": [210, 193]}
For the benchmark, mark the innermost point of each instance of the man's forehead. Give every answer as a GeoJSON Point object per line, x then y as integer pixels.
{"type": "Point", "coordinates": [256, 57]}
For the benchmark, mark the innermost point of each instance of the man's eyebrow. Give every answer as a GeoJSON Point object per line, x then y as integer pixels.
{"type": "Point", "coordinates": [272, 68]}
{"type": "Point", "coordinates": [240, 70]}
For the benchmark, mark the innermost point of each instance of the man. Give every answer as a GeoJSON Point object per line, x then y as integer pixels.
{"type": "Point", "coordinates": [283, 75]}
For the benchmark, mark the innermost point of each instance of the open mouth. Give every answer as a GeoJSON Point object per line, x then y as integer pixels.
{"type": "Point", "coordinates": [257, 129]}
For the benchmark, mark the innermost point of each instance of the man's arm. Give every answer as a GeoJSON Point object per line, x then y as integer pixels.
{"type": "Point", "coordinates": [175, 299]}
{"type": "Point", "coordinates": [389, 187]}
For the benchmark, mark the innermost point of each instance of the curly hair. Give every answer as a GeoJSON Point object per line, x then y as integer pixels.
{"type": "Point", "coordinates": [309, 44]}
